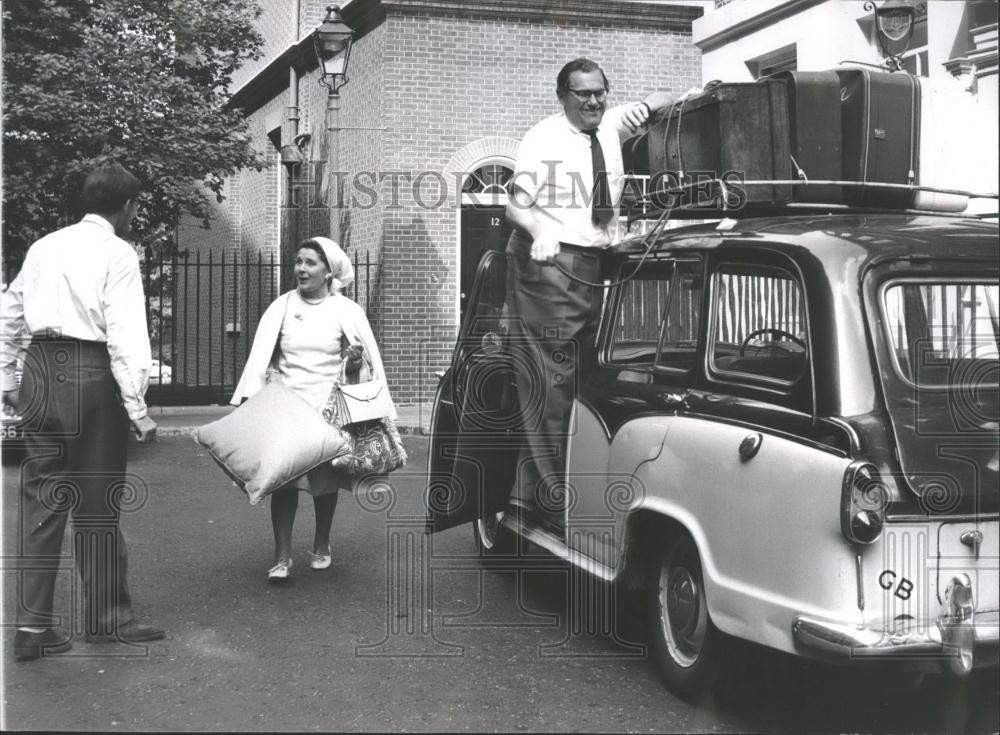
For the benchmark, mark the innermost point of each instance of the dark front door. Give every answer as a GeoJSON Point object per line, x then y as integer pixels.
{"type": "Point", "coordinates": [483, 228]}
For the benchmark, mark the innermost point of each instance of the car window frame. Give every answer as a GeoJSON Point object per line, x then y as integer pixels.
{"type": "Point", "coordinates": [885, 337]}
{"type": "Point", "coordinates": [613, 307]}
{"type": "Point", "coordinates": [798, 394]}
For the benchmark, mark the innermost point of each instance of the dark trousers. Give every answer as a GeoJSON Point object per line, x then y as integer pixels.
{"type": "Point", "coordinates": [76, 436]}
{"type": "Point", "coordinates": [554, 330]}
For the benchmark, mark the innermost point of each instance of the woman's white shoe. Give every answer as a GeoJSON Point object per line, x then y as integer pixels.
{"type": "Point", "coordinates": [281, 570]}
{"type": "Point", "coordinates": [320, 561]}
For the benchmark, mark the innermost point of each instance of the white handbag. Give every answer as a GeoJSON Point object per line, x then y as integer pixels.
{"type": "Point", "coordinates": [355, 403]}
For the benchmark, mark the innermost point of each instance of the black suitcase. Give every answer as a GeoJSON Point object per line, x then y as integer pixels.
{"type": "Point", "coordinates": [736, 132]}
{"type": "Point", "coordinates": [880, 118]}
{"type": "Point", "coordinates": [815, 132]}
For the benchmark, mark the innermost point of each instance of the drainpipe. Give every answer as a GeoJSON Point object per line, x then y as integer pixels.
{"type": "Point", "coordinates": [291, 158]}
{"type": "Point", "coordinates": [290, 152]}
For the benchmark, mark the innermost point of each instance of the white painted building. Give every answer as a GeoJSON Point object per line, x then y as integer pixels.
{"type": "Point", "coordinates": [954, 46]}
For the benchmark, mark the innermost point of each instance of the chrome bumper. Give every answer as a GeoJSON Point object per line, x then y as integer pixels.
{"type": "Point", "coordinates": [958, 636]}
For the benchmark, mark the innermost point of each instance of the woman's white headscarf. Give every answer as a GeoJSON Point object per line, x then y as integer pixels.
{"type": "Point", "coordinates": [340, 264]}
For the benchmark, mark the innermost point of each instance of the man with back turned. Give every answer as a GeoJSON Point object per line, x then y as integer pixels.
{"type": "Point", "coordinates": [75, 318]}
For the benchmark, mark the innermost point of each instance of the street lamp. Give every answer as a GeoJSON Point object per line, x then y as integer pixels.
{"type": "Point", "coordinates": [894, 21]}
{"type": "Point", "coordinates": [333, 48]}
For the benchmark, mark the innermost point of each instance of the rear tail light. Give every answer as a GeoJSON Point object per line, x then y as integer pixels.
{"type": "Point", "coordinates": [863, 504]}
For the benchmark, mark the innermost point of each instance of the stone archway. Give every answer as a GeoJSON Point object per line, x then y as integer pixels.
{"type": "Point", "coordinates": [481, 170]}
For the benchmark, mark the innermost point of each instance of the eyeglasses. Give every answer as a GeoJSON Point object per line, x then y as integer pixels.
{"type": "Point", "coordinates": [585, 94]}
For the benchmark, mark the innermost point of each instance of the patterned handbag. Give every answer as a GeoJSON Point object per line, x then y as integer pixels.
{"type": "Point", "coordinates": [360, 412]}
{"type": "Point", "coordinates": [375, 449]}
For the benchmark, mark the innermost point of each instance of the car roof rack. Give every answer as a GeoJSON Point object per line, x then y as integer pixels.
{"type": "Point", "coordinates": [669, 202]}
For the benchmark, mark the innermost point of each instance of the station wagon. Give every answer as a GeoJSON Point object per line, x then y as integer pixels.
{"type": "Point", "coordinates": [789, 435]}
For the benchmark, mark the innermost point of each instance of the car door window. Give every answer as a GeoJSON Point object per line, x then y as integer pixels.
{"type": "Point", "coordinates": [759, 325]}
{"type": "Point", "coordinates": [486, 324]}
{"type": "Point", "coordinates": [635, 332]}
{"type": "Point", "coordinates": [679, 333]}
{"type": "Point", "coordinates": [658, 315]}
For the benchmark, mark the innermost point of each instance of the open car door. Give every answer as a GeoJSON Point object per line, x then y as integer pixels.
{"type": "Point", "coordinates": [475, 426]}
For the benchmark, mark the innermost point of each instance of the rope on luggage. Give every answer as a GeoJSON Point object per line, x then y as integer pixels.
{"type": "Point", "coordinates": [648, 241]}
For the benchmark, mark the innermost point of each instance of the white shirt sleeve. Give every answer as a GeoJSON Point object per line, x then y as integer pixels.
{"type": "Point", "coordinates": [531, 169]}
{"type": "Point", "coordinates": [14, 335]}
{"type": "Point", "coordinates": [616, 116]}
{"type": "Point", "coordinates": [128, 336]}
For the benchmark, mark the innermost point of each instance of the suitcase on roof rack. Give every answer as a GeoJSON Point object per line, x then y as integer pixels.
{"type": "Point", "coordinates": [635, 160]}
{"type": "Point", "coordinates": [950, 133]}
{"type": "Point", "coordinates": [733, 132]}
{"type": "Point", "coordinates": [644, 154]}
{"type": "Point", "coordinates": [815, 133]}
{"type": "Point", "coordinates": [880, 118]}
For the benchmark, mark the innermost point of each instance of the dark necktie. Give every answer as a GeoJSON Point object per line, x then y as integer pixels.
{"type": "Point", "coordinates": [601, 210]}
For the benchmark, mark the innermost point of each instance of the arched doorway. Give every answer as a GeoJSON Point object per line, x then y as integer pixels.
{"type": "Point", "coordinates": [482, 221]}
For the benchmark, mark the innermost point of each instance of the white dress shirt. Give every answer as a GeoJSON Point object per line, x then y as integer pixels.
{"type": "Point", "coordinates": [554, 167]}
{"type": "Point", "coordinates": [83, 282]}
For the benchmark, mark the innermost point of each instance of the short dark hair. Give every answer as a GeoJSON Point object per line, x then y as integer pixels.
{"type": "Point", "coordinates": [581, 64]}
{"type": "Point", "coordinates": [107, 188]}
{"type": "Point", "coordinates": [313, 245]}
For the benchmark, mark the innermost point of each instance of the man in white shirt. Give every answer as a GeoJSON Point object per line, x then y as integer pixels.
{"type": "Point", "coordinates": [567, 183]}
{"type": "Point", "coordinates": [75, 318]}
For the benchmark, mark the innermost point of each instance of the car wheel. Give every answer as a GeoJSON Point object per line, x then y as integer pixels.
{"type": "Point", "coordinates": [492, 539]}
{"type": "Point", "coordinates": [682, 638]}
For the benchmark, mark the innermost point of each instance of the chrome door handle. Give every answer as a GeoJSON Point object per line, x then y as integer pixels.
{"type": "Point", "coordinates": [972, 539]}
{"type": "Point", "coordinates": [750, 446]}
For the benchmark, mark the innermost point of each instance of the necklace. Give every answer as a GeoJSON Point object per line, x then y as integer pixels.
{"type": "Point", "coordinates": [312, 302]}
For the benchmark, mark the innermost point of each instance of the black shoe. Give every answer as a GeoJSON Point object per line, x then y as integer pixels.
{"type": "Point", "coordinates": [131, 632]}
{"type": "Point", "coordinates": [29, 646]}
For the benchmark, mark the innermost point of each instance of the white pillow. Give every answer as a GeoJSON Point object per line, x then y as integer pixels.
{"type": "Point", "coordinates": [271, 439]}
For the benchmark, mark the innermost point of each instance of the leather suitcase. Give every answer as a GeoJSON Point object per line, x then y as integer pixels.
{"type": "Point", "coordinates": [644, 154]}
{"type": "Point", "coordinates": [880, 118]}
{"type": "Point", "coordinates": [635, 156]}
{"type": "Point", "coordinates": [815, 133]}
{"type": "Point", "coordinates": [734, 132]}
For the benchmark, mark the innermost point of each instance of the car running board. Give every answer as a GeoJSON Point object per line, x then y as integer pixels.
{"type": "Point", "coordinates": [556, 546]}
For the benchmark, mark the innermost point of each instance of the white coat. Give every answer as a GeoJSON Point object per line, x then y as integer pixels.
{"type": "Point", "coordinates": [265, 341]}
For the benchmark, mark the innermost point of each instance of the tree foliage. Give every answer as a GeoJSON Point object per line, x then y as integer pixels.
{"type": "Point", "coordinates": [139, 82]}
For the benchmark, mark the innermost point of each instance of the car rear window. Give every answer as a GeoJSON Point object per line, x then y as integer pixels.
{"type": "Point", "coordinates": [943, 333]}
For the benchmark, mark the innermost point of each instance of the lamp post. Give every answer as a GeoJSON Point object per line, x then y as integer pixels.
{"type": "Point", "coordinates": [333, 41]}
{"type": "Point", "coordinates": [333, 49]}
{"type": "Point", "coordinates": [894, 21]}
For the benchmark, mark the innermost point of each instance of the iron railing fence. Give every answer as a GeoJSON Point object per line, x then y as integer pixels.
{"type": "Point", "coordinates": [202, 309]}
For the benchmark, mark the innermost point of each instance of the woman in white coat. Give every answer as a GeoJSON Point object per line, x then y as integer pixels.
{"type": "Point", "coordinates": [300, 341]}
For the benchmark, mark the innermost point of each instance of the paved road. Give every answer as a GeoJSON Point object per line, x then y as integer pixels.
{"type": "Point", "coordinates": [367, 646]}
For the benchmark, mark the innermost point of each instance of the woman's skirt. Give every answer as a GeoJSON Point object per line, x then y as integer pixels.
{"type": "Point", "coordinates": [321, 480]}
